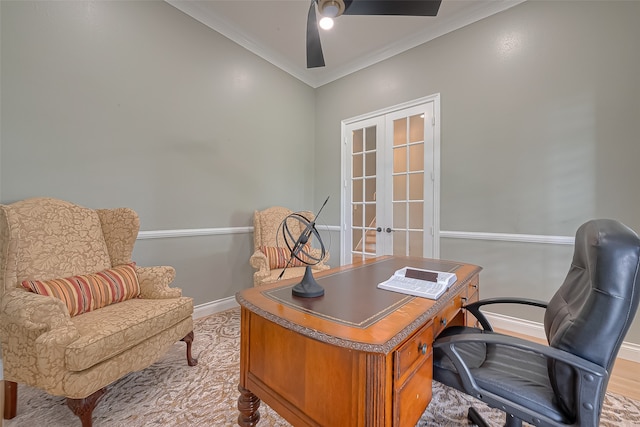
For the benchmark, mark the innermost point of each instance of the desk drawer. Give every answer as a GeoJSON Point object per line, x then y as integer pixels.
{"type": "Point", "coordinates": [473, 295]}
{"type": "Point", "coordinates": [414, 351]}
{"type": "Point", "coordinates": [473, 286]}
{"type": "Point", "coordinates": [448, 313]}
{"type": "Point", "coordinates": [412, 397]}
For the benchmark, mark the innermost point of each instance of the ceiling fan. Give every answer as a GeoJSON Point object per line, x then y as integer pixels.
{"type": "Point", "coordinates": [335, 8]}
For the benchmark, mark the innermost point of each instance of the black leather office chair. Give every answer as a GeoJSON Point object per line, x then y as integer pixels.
{"type": "Point", "coordinates": [562, 384]}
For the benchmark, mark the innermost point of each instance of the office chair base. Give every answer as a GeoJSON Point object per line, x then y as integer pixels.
{"type": "Point", "coordinates": [474, 416]}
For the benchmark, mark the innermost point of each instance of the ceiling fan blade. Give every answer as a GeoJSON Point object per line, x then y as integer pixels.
{"type": "Point", "coordinates": [315, 58]}
{"type": "Point", "coordinates": [391, 7]}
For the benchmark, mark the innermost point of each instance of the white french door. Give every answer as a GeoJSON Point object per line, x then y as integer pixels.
{"type": "Point", "coordinates": [390, 200]}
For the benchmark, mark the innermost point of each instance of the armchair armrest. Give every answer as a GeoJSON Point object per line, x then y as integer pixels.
{"type": "Point", "coordinates": [474, 307]}
{"type": "Point", "coordinates": [39, 326]}
{"type": "Point", "coordinates": [33, 312]}
{"type": "Point", "coordinates": [322, 264]}
{"type": "Point", "coordinates": [259, 261]}
{"type": "Point", "coordinates": [593, 378]}
{"type": "Point", "coordinates": [154, 282]}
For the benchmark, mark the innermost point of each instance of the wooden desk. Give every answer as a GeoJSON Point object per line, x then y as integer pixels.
{"type": "Point", "coordinates": [357, 356]}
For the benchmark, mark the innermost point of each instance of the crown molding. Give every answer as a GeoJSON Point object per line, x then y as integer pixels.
{"type": "Point", "coordinates": [481, 9]}
{"type": "Point", "coordinates": [318, 77]}
{"type": "Point", "coordinates": [237, 35]}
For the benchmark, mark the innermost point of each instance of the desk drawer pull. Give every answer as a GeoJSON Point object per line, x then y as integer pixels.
{"type": "Point", "coordinates": [443, 321]}
{"type": "Point", "coordinates": [423, 348]}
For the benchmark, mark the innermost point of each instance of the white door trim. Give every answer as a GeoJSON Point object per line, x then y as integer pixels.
{"type": "Point", "coordinates": [435, 98]}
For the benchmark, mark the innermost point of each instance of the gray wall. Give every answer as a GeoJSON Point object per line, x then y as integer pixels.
{"type": "Point", "coordinates": [540, 111]}
{"type": "Point", "coordinates": [135, 104]}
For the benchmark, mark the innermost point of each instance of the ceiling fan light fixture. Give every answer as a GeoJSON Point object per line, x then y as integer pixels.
{"type": "Point", "coordinates": [326, 23]}
{"type": "Point", "coordinates": [331, 8]}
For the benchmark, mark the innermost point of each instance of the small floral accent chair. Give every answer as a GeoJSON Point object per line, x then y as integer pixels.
{"type": "Point", "coordinates": [271, 253]}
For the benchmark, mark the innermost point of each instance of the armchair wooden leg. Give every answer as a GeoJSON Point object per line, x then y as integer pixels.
{"type": "Point", "coordinates": [83, 408]}
{"type": "Point", "coordinates": [10, 399]}
{"type": "Point", "coordinates": [189, 340]}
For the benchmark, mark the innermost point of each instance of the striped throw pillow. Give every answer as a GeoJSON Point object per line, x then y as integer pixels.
{"type": "Point", "coordinates": [92, 291]}
{"type": "Point", "coordinates": [278, 257]}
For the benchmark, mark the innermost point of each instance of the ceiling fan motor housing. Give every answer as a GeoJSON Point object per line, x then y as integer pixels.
{"type": "Point", "coordinates": [335, 8]}
{"type": "Point", "coordinates": [331, 8]}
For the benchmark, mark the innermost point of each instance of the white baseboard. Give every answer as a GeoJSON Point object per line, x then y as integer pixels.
{"type": "Point", "coordinates": [213, 307]}
{"type": "Point", "coordinates": [628, 351]}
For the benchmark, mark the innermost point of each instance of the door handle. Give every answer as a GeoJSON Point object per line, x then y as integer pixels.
{"type": "Point", "coordinates": [388, 230]}
{"type": "Point", "coordinates": [379, 229]}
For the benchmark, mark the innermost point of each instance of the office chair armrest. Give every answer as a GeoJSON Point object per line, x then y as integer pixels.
{"type": "Point", "coordinates": [474, 307]}
{"type": "Point", "coordinates": [583, 367]}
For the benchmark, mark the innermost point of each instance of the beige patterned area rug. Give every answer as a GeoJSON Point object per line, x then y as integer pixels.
{"type": "Point", "coordinates": [170, 393]}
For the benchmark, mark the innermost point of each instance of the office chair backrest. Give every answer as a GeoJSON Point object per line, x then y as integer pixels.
{"type": "Point", "coordinates": [593, 309]}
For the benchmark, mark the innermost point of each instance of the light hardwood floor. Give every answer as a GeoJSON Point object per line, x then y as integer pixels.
{"type": "Point", "coordinates": [625, 379]}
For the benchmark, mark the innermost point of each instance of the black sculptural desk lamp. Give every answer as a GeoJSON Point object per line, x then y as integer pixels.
{"type": "Point", "coordinates": [308, 287]}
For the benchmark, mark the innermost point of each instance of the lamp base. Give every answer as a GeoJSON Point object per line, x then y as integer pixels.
{"type": "Point", "coordinates": [308, 287]}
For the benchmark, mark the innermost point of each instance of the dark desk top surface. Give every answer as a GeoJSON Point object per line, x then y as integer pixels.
{"type": "Point", "coordinates": [353, 309]}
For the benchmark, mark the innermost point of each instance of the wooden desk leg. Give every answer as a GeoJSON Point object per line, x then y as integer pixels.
{"type": "Point", "coordinates": [248, 404]}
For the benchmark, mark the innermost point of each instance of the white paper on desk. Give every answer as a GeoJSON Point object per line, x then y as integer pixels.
{"type": "Point", "coordinates": [398, 282]}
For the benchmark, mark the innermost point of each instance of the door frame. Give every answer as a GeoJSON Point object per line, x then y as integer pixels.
{"type": "Point", "coordinates": [345, 157]}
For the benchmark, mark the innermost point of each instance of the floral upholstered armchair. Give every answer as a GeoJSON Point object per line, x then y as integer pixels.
{"type": "Point", "coordinates": [270, 253]}
{"type": "Point", "coordinates": [76, 313]}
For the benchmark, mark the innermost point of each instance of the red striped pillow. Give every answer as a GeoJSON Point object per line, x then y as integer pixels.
{"type": "Point", "coordinates": [278, 257]}
{"type": "Point", "coordinates": [92, 291]}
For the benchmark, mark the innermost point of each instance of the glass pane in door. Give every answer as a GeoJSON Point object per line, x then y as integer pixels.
{"type": "Point", "coordinates": [399, 187]}
{"type": "Point", "coordinates": [400, 159]}
{"type": "Point", "coordinates": [416, 128]}
{"type": "Point", "coordinates": [415, 243]}
{"type": "Point", "coordinates": [399, 216]}
{"type": "Point", "coordinates": [357, 168]}
{"type": "Point", "coordinates": [400, 132]}
{"type": "Point", "coordinates": [356, 238]}
{"type": "Point", "coordinates": [416, 215]}
{"type": "Point", "coordinates": [416, 157]}
{"type": "Point", "coordinates": [357, 143]}
{"type": "Point", "coordinates": [416, 186]}
{"type": "Point", "coordinates": [399, 243]}
{"type": "Point", "coordinates": [357, 190]}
